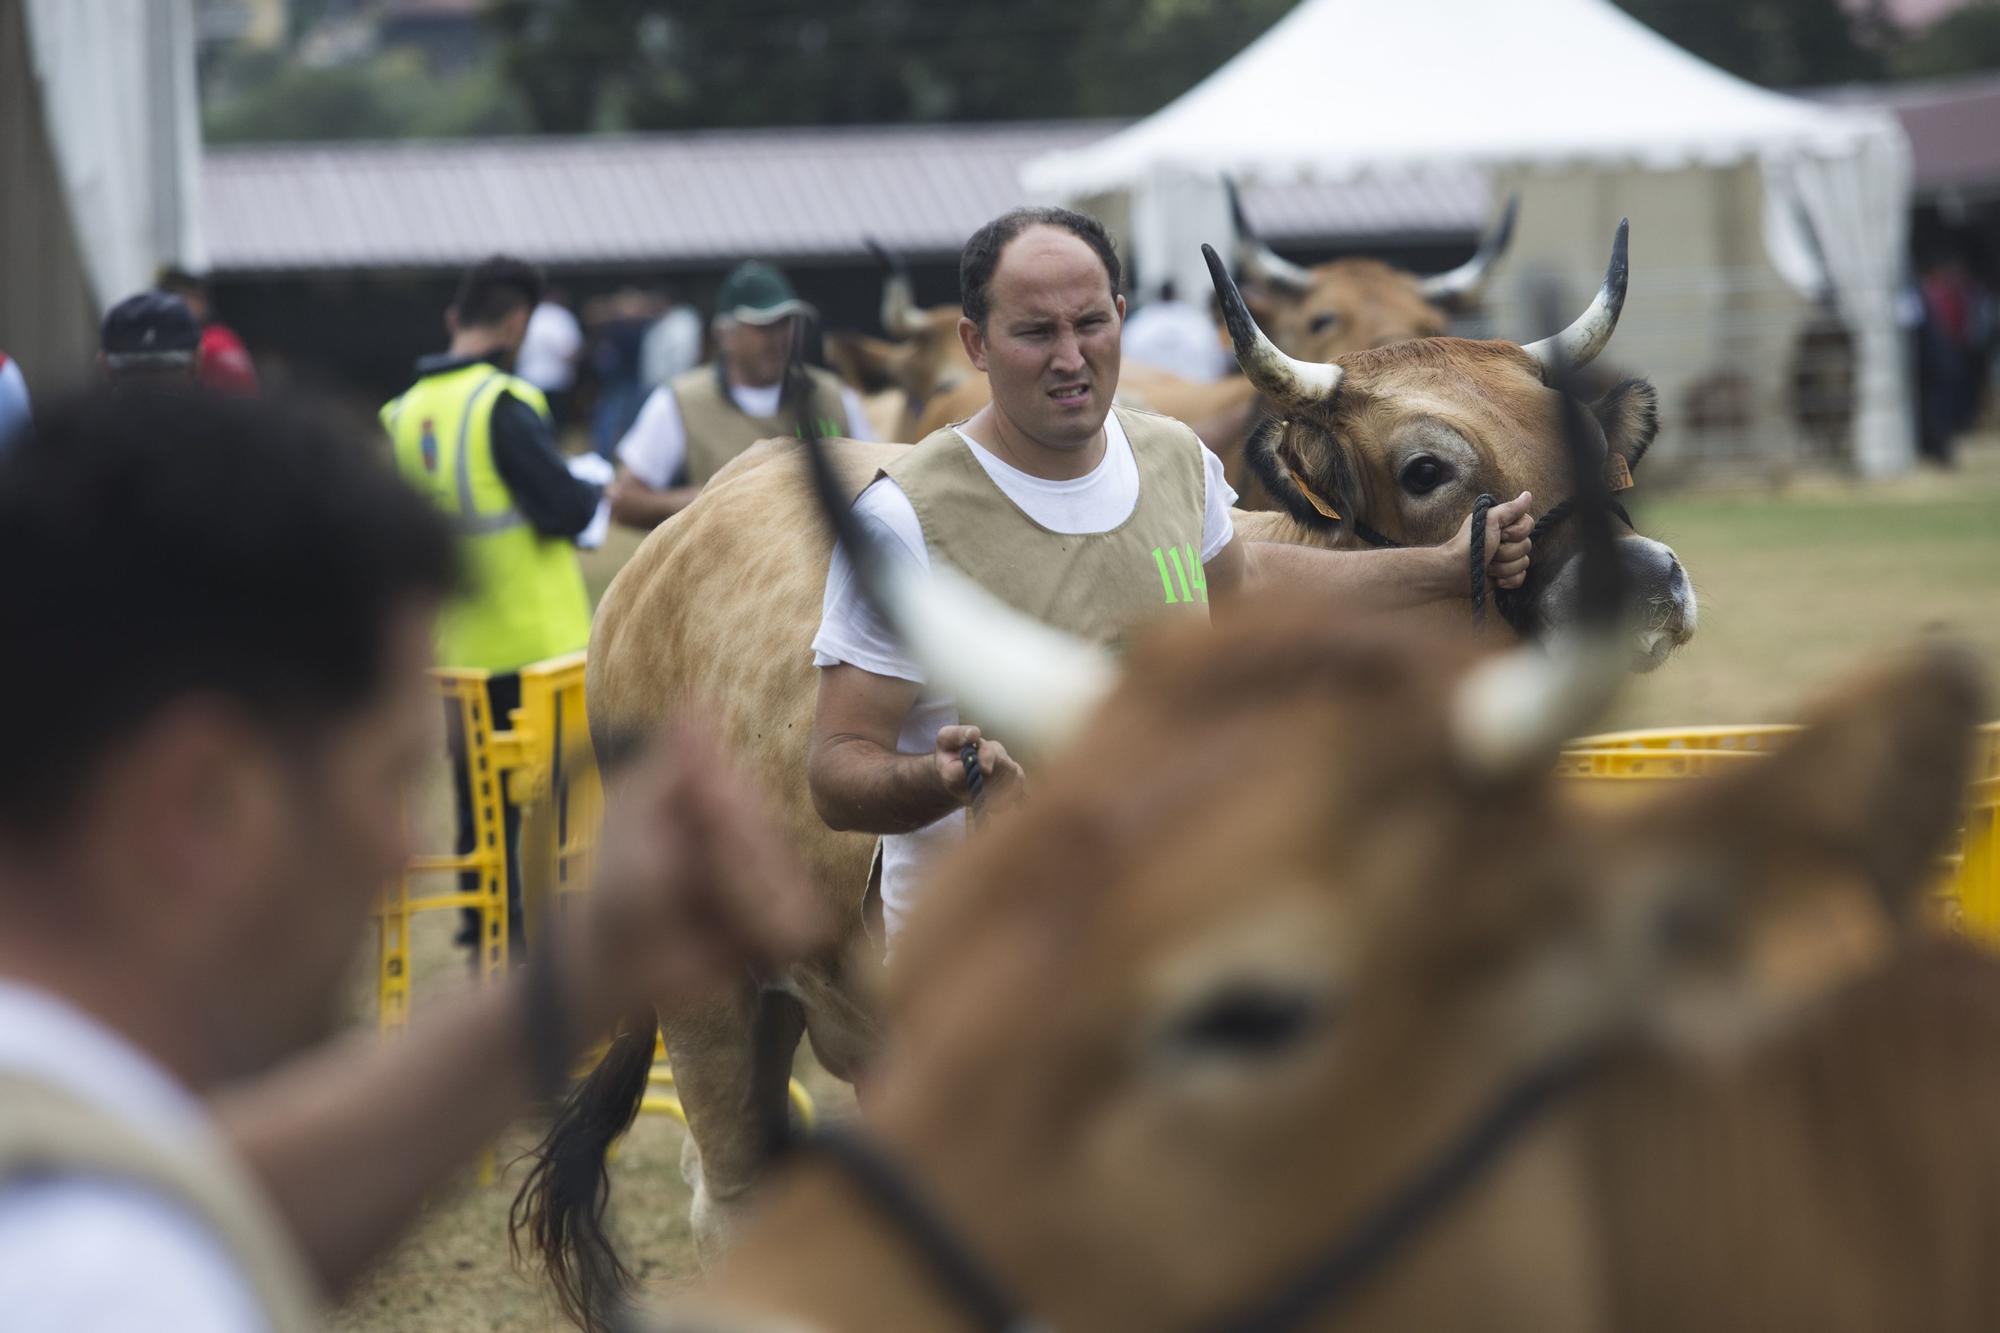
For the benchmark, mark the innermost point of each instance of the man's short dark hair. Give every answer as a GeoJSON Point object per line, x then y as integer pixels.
{"type": "Point", "coordinates": [981, 255]}
{"type": "Point", "coordinates": [164, 544]}
{"type": "Point", "coordinates": [495, 288]}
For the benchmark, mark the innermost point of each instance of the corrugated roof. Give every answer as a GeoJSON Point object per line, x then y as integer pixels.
{"type": "Point", "coordinates": [703, 197]}
{"type": "Point", "coordinates": [1954, 127]}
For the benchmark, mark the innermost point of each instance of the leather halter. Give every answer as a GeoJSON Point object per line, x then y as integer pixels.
{"type": "Point", "coordinates": [1325, 1282]}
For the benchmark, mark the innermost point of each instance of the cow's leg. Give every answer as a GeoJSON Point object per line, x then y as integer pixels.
{"type": "Point", "coordinates": [732, 1061]}
{"type": "Point", "coordinates": [840, 1014]}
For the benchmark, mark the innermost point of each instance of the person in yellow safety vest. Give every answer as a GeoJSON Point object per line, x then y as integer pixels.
{"type": "Point", "coordinates": [480, 443]}
{"type": "Point", "coordinates": [754, 389]}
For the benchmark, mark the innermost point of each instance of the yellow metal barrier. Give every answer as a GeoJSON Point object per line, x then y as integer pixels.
{"type": "Point", "coordinates": [1969, 883]}
{"type": "Point", "coordinates": [543, 758]}
{"type": "Point", "coordinates": [465, 693]}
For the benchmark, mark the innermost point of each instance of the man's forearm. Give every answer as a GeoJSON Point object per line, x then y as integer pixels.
{"type": "Point", "coordinates": [860, 786]}
{"type": "Point", "coordinates": [1389, 580]}
{"type": "Point", "coordinates": [350, 1140]}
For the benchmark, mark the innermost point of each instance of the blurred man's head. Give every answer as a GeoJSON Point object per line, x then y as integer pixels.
{"type": "Point", "coordinates": [192, 290]}
{"type": "Point", "coordinates": [152, 338]}
{"type": "Point", "coordinates": [217, 621]}
{"type": "Point", "coordinates": [1039, 287]}
{"type": "Point", "coordinates": [756, 322]}
{"type": "Point", "coordinates": [495, 299]}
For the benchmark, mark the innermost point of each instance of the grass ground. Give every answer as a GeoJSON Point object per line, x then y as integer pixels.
{"type": "Point", "coordinates": [1795, 587]}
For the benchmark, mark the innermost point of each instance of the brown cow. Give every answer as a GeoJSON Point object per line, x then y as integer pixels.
{"type": "Point", "coordinates": [1284, 937]}
{"type": "Point", "coordinates": [1387, 446]}
{"type": "Point", "coordinates": [715, 612]}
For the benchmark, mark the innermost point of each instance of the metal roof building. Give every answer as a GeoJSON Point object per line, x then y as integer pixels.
{"type": "Point", "coordinates": [705, 199]}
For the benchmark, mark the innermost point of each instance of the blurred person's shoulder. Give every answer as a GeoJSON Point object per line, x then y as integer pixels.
{"type": "Point", "coordinates": [81, 1255]}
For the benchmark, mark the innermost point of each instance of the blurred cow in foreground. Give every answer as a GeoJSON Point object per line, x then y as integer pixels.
{"type": "Point", "coordinates": [1293, 1002]}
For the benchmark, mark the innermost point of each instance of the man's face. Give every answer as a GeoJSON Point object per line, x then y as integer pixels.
{"type": "Point", "coordinates": [1050, 345]}
{"type": "Point", "coordinates": [758, 353]}
{"type": "Point", "coordinates": [340, 837]}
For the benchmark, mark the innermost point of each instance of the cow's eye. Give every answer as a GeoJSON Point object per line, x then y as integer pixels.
{"type": "Point", "coordinates": [1424, 474]}
{"type": "Point", "coordinates": [1245, 1020]}
{"type": "Point", "coordinates": [1323, 321]}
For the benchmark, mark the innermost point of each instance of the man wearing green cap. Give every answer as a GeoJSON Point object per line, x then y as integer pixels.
{"type": "Point", "coordinates": [695, 423]}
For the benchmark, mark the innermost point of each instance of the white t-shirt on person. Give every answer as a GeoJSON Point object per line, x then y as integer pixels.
{"type": "Point", "coordinates": [81, 1254]}
{"type": "Point", "coordinates": [850, 632]}
{"type": "Point", "coordinates": [655, 449]}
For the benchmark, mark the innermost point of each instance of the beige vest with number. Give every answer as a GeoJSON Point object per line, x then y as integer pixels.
{"type": "Point", "coordinates": [717, 429]}
{"type": "Point", "coordinates": [1096, 585]}
{"type": "Point", "coordinates": [45, 1132]}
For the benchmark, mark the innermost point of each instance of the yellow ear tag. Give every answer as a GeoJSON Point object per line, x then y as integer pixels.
{"type": "Point", "coordinates": [1617, 473]}
{"type": "Point", "coordinates": [1312, 497]}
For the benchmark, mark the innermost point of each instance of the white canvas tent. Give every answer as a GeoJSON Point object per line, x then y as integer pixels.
{"type": "Point", "coordinates": [1588, 113]}
{"type": "Point", "coordinates": [100, 150]}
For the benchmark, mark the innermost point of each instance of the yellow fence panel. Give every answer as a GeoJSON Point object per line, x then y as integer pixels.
{"type": "Point", "coordinates": [541, 758]}
{"type": "Point", "coordinates": [1968, 893]}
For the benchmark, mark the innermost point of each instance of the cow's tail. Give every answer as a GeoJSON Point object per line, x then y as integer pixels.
{"type": "Point", "coordinates": [559, 1213]}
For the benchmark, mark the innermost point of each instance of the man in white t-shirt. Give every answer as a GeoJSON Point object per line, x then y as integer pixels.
{"type": "Point", "coordinates": [1042, 320]}
{"type": "Point", "coordinates": [196, 818]}
{"type": "Point", "coordinates": [550, 351]}
{"type": "Point", "coordinates": [691, 426]}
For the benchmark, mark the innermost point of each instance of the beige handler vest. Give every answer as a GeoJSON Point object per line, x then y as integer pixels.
{"type": "Point", "coordinates": [1095, 585]}
{"type": "Point", "coordinates": [717, 429]}
{"type": "Point", "coordinates": [46, 1132]}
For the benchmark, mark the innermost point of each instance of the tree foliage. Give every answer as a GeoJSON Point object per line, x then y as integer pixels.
{"type": "Point", "coordinates": [391, 96]}
{"type": "Point", "coordinates": [1778, 43]}
{"type": "Point", "coordinates": [656, 64]}
{"type": "Point", "coordinates": [1965, 42]}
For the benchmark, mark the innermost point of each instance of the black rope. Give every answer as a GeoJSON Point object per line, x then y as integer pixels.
{"type": "Point", "coordinates": [986, 1304]}
{"type": "Point", "coordinates": [1318, 1288]}
{"type": "Point", "coordinates": [1329, 1281]}
{"type": "Point", "coordinates": [975, 781]}
{"type": "Point", "coordinates": [1478, 589]}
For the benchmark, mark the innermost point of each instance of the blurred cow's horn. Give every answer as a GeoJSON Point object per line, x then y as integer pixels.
{"type": "Point", "coordinates": [901, 317]}
{"type": "Point", "coordinates": [1579, 344]}
{"type": "Point", "coordinates": [1284, 380]}
{"type": "Point", "coordinates": [1025, 684]}
{"type": "Point", "coordinates": [1469, 277]}
{"type": "Point", "coordinates": [1259, 260]}
{"type": "Point", "coordinates": [1514, 711]}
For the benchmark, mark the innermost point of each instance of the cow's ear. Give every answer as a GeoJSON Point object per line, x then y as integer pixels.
{"type": "Point", "coordinates": [1733, 900]}
{"type": "Point", "coordinates": [1306, 469]}
{"type": "Point", "coordinates": [870, 364]}
{"type": "Point", "coordinates": [1630, 418]}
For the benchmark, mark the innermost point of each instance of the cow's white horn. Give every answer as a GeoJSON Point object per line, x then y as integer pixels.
{"type": "Point", "coordinates": [1023, 683]}
{"type": "Point", "coordinates": [1283, 379]}
{"type": "Point", "coordinates": [1257, 259]}
{"type": "Point", "coordinates": [1579, 344]}
{"type": "Point", "coordinates": [1469, 277]}
{"type": "Point", "coordinates": [901, 316]}
{"type": "Point", "coordinates": [1514, 710]}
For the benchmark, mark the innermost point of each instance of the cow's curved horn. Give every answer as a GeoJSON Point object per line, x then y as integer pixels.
{"type": "Point", "coordinates": [1024, 683]}
{"type": "Point", "coordinates": [1283, 379]}
{"type": "Point", "coordinates": [1259, 260]}
{"type": "Point", "coordinates": [1579, 344]}
{"type": "Point", "coordinates": [1469, 277]}
{"type": "Point", "coordinates": [901, 316]}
